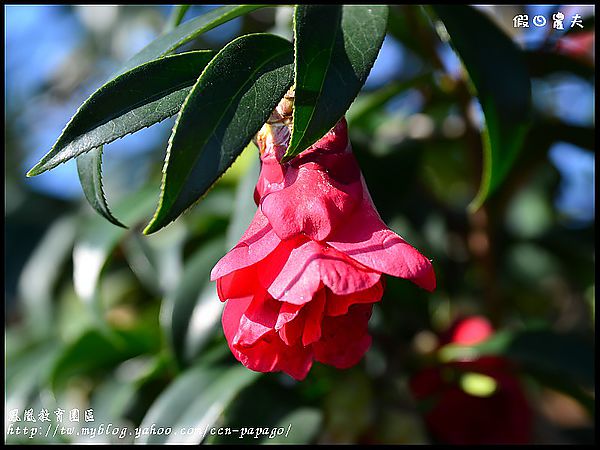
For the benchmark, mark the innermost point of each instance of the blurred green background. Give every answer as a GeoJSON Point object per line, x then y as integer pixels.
{"type": "Point", "coordinates": [128, 326]}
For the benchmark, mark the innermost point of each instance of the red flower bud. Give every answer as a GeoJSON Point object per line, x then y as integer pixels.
{"type": "Point", "coordinates": [301, 282]}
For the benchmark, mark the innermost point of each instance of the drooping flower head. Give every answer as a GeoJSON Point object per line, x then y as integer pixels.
{"type": "Point", "coordinates": [301, 282]}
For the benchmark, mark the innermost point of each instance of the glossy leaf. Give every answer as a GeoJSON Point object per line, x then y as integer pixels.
{"type": "Point", "coordinates": [335, 48]}
{"type": "Point", "coordinates": [194, 400]}
{"type": "Point", "coordinates": [231, 100]}
{"type": "Point", "coordinates": [134, 100]}
{"type": "Point", "coordinates": [169, 42]}
{"type": "Point", "coordinates": [497, 70]}
{"type": "Point", "coordinates": [89, 168]}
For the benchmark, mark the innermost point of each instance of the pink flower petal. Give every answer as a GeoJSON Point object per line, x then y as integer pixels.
{"type": "Point", "coordinates": [311, 264]}
{"type": "Point", "coordinates": [338, 305]}
{"type": "Point", "coordinates": [268, 354]}
{"type": "Point", "coordinates": [232, 314]}
{"type": "Point", "coordinates": [287, 313]}
{"type": "Point", "coordinates": [258, 320]}
{"type": "Point", "coordinates": [314, 317]}
{"type": "Point", "coordinates": [312, 203]}
{"type": "Point", "coordinates": [365, 238]}
{"type": "Point", "coordinates": [291, 331]}
{"type": "Point", "coordinates": [239, 283]}
{"type": "Point", "coordinates": [257, 242]}
{"type": "Point", "coordinates": [270, 179]}
{"type": "Point", "coordinates": [344, 339]}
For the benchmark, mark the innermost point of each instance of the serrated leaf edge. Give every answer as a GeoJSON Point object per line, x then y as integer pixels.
{"type": "Point", "coordinates": [42, 166]}
{"type": "Point", "coordinates": [151, 227]}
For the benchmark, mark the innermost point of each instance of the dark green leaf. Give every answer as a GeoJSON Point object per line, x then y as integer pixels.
{"type": "Point", "coordinates": [169, 42]}
{"type": "Point", "coordinates": [195, 400]}
{"type": "Point", "coordinates": [500, 78]}
{"type": "Point", "coordinates": [137, 99]}
{"type": "Point", "coordinates": [232, 99]}
{"type": "Point", "coordinates": [89, 168]}
{"type": "Point", "coordinates": [403, 21]}
{"type": "Point", "coordinates": [335, 46]}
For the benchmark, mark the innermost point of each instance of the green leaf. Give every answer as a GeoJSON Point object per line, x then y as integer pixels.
{"type": "Point", "coordinates": [41, 274]}
{"type": "Point", "coordinates": [373, 102]}
{"type": "Point", "coordinates": [89, 168]}
{"type": "Point", "coordinates": [169, 42]}
{"type": "Point", "coordinates": [28, 372]}
{"type": "Point", "coordinates": [499, 74]}
{"type": "Point", "coordinates": [301, 426]}
{"type": "Point", "coordinates": [157, 260]}
{"type": "Point", "coordinates": [186, 302]}
{"type": "Point", "coordinates": [403, 21]}
{"type": "Point", "coordinates": [99, 238]}
{"type": "Point", "coordinates": [177, 14]}
{"type": "Point", "coordinates": [127, 392]}
{"type": "Point", "coordinates": [231, 100]}
{"type": "Point", "coordinates": [95, 350]}
{"type": "Point", "coordinates": [204, 324]}
{"type": "Point", "coordinates": [335, 47]}
{"type": "Point", "coordinates": [194, 400]}
{"type": "Point", "coordinates": [134, 100]}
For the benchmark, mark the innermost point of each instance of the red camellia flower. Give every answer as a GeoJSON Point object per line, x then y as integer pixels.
{"type": "Point", "coordinates": [301, 283]}
{"type": "Point", "coordinates": [474, 401]}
